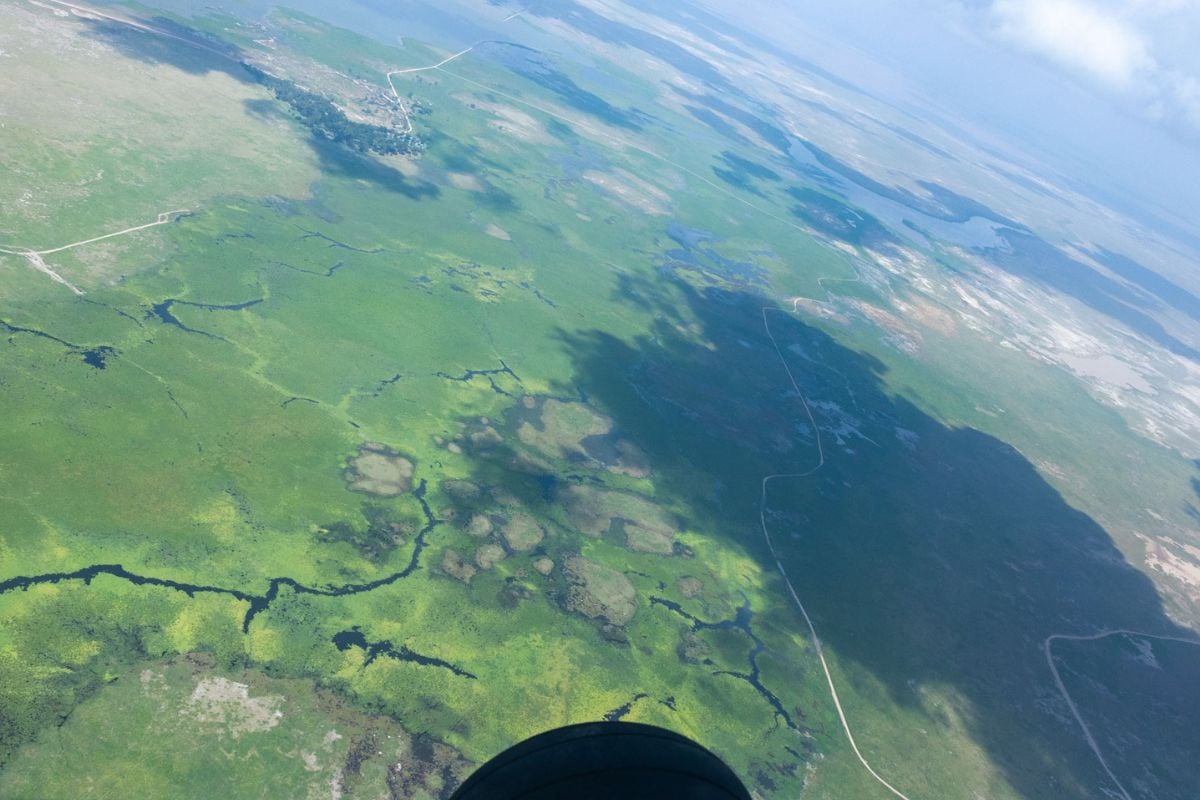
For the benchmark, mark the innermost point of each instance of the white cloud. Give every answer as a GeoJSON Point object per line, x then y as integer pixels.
{"type": "Point", "coordinates": [1078, 35]}
{"type": "Point", "coordinates": [1143, 50]}
{"type": "Point", "coordinates": [1180, 101]}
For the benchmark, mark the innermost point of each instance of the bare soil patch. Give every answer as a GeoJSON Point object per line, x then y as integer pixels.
{"type": "Point", "coordinates": [599, 592]}
{"type": "Point", "coordinates": [380, 471]}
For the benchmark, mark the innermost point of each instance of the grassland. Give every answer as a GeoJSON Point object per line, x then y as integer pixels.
{"type": "Point", "coordinates": [406, 479]}
{"type": "Point", "coordinates": [95, 142]}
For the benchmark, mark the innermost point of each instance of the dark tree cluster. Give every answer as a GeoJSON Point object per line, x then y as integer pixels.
{"type": "Point", "coordinates": [325, 120]}
{"type": "Point", "coordinates": [381, 536]}
{"type": "Point", "coordinates": [419, 106]}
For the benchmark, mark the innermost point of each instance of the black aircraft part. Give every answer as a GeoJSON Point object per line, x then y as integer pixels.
{"type": "Point", "coordinates": [604, 761]}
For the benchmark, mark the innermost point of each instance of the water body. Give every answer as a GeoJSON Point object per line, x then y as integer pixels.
{"type": "Point", "coordinates": [548, 483]}
{"type": "Point", "coordinates": [163, 312]}
{"type": "Point", "coordinates": [336, 244]}
{"type": "Point", "coordinates": [965, 222]}
{"type": "Point", "coordinates": [385, 384]}
{"type": "Point", "coordinates": [489, 374]}
{"type": "Point", "coordinates": [742, 621]}
{"type": "Point", "coordinates": [257, 603]}
{"type": "Point", "coordinates": [583, 157]}
{"type": "Point", "coordinates": [96, 357]}
{"type": "Point", "coordinates": [695, 252]}
{"type": "Point", "coordinates": [539, 68]}
{"type": "Point", "coordinates": [619, 713]}
{"type": "Point", "coordinates": [529, 287]}
{"type": "Point", "coordinates": [329, 273]}
{"type": "Point", "coordinates": [355, 638]}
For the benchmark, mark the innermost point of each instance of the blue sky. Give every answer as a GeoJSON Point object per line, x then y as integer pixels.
{"type": "Point", "coordinates": [1143, 53]}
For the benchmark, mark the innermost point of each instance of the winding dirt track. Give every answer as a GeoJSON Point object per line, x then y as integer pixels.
{"type": "Point", "coordinates": [412, 70]}
{"type": "Point", "coordinates": [164, 217]}
{"type": "Point", "coordinates": [762, 517]}
{"type": "Point", "coordinates": [35, 256]}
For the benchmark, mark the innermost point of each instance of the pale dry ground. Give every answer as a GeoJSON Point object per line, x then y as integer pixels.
{"type": "Point", "coordinates": [586, 125]}
{"type": "Point", "coordinates": [631, 191]}
{"type": "Point", "coordinates": [466, 182]}
{"type": "Point", "coordinates": [93, 140]}
{"type": "Point", "coordinates": [509, 120]}
{"type": "Point", "coordinates": [380, 472]}
{"type": "Point", "coordinates": [220, 700]}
